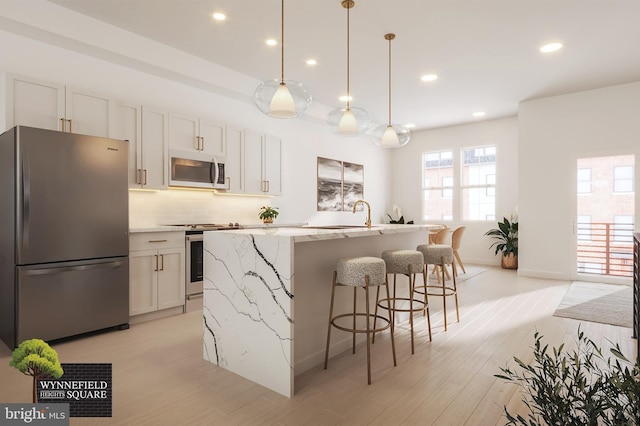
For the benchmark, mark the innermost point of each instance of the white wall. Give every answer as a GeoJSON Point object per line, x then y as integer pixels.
{"type": "Point", "coordinates": [554, 132]}
{"type": "Point", "coordinates": [41, 40]}
{"type": "Point", "coordinates": [407, 176]}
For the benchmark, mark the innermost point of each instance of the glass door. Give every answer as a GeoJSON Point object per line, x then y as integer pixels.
{"type": "Point", "coordinates": [605, 216]}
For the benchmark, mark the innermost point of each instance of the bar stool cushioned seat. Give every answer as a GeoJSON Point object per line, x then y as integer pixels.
{"type": "Point", "coordinates": [359, 272]}
{"type": "Point", "coordinates": [441, 255]}
{"type": "Point", "coordinates": [410, 263]}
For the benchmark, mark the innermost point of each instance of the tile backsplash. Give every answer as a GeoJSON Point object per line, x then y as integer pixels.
{"type": "Point", "coordinates": [151, 208]}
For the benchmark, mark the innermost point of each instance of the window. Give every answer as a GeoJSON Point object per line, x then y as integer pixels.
{"type": "Point", "coordinates": [584, 181]}
{"type": "Point", "coordinates": [437, 185]}
{"type": "Point", "coordinates": [464, 189]}
{"type": "Point", "coordinates": [623, 179]}
{"type": "Point", "coordinates": [478, 183]}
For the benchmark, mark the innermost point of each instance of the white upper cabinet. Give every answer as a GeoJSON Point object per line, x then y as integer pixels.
{"type": "Point", "coordinates": [262, 164]}
{"type": "Point", "coordinates": [154, 173]}
{"type": "Point", "coordinates": [234, 160]}
{"type": "Point", "coordinates": [127, 125]}
{"type": "Point", "coordinates": [36, 103]}
{"type": "Point", "coordinates": [192, 134]}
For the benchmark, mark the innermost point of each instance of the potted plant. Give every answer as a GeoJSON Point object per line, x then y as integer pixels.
{"type": "Point", "coordinates": [506, 236]}
{"type": "Point", "coordinates": [268, 214]}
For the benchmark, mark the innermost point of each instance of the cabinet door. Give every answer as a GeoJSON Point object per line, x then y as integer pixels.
{"type": "Point", "coordinates": [253, 175]}
{"type": "Point", "coordinates": [34, 103]}
{"type": "Point", "coordinates": [126, 125]}
{"type": "Point", "coordinates": [272, 165]}
{"type": "Point", "coordinates": [155, 149]}
{"type": "Point", "coordinates": [87, 113]}
{"type": "Point", "coordinates": [212, 137]}
{"type": "Point", "coordinates": [233, 162]}
{"type": "Point", "coordinates": [143, 282]}
{"type": "Point", "coordinates": [171, 276]}
{"type": "Point", "coordinates": [183, 133]}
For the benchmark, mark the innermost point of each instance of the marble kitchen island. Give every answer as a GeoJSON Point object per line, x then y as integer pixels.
{"type": "Point", "coordinates": [252, 326]}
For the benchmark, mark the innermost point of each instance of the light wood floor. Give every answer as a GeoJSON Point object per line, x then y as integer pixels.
{"type": "Point", "coordinates": [159, 377]}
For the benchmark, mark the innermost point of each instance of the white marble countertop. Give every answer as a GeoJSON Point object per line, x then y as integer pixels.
{"type": "Point", "coordinates": [330, 232]}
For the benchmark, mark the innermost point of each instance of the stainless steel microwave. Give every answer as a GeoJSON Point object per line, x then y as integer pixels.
{"type": "Point", "coordinates": [197, 171]}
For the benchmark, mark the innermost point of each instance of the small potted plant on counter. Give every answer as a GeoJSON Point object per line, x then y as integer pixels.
{"type": "Point", "coordinates": [268, 214]}
{"type": "Point", "coordinates": [507, 242]}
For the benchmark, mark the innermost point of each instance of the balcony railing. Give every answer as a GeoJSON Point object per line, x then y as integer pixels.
{"type": "Point", "coordinates": [605, 248]}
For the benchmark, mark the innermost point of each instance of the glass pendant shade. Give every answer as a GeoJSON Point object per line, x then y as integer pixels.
{"type": "Point", "coordinates": [391, 136]}
{"type": "Point", "coordinates": [352, 121]}
{"type": "Point", "coordinates": [348, 121]}
{"type": "Point", "coordinates": [282, 99]}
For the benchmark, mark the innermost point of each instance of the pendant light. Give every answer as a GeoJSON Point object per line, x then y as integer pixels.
{"type": "Point", "coordinates": [282, 98]}
{"type": "Point", "coordinates": [391, 135]}
{"type": "Point", "coordinates": [348, 121]}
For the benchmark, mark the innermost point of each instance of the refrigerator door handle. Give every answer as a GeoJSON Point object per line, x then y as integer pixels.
{"type": "Point", "coordinates": [26, 200]}
{"type": "Point", "coordinates": [45, 271]}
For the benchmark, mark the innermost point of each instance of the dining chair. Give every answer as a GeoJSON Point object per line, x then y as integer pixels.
{"type": "Point", "coordinates": [456, 240]}
{"type": "Point", "coordinates": [440, 237]}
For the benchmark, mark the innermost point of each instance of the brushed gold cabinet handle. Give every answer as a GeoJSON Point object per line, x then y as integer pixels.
{"type": "Point", "coordinates": [157, 241]}
{"type": "Point", "coordinates": [202, 139]}
{"type": "Point", "coordinates": [62, 125]}
{"type": "Point", "coordinates": [156, 256]}
{"type": "Point", "coordinates": [70, 126]}
{"type": "Point", "coordinates": [145, 176]}
{"type": "Point", "coordinates": [162, 262]}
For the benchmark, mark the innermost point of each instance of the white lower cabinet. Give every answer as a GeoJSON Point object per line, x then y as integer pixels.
{"type": "Point", "coordinates": [156, 271]}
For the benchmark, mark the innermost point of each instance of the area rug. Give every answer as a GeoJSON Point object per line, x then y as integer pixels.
{"type": "Point", "coordinates": [596, 302]}
{"type": "Point", "coordinates": [472, 271]}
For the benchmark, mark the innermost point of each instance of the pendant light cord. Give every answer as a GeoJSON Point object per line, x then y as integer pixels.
{"type": "Point", "coordinates": [348, 60]}
{"type": "Point", "coordinates": [282, 42]}
{"type": "Point", "coordinates": [389, 37]}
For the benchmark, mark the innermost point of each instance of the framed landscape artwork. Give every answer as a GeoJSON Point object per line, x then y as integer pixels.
{"type": "Point", "coordinates": [340, 184]}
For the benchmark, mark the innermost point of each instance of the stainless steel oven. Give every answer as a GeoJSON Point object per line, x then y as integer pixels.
{"type": "Point", "coordinates": [194, 265]}
{"type": "Point", "coordinates": [194, 261]}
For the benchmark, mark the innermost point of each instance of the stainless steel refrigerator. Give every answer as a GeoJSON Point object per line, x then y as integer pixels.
{"type": "Point", "coordinates": [64, 246]}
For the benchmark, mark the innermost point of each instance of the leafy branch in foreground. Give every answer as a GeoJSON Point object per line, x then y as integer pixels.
{"type": "Point", "coordinates": [576, 388]}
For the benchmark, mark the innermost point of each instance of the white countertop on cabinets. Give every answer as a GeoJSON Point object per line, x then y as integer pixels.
{"type": "Point", "coordinates": [157, 228]}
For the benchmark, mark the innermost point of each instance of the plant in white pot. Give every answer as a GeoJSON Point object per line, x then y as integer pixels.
{"type": "Point", "coordinates": [506, 236]}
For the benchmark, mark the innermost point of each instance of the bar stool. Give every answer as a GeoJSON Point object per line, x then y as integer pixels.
{"type": "Point", "coordinates": [441, 255]}
{"type": "Point", "coordinates": [362, 272]}
{"type": "Point", "coordinates": [410, 263]}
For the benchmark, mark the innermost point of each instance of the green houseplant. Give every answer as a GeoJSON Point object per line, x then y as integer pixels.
{"type": "Point", "coordinates": [580, 387]}
{"type": "Point", "coordinates": [35, 358]}
{"type": "Point", "coordinates": [268, 214]}
{"type": "Point", "coordinates": [506, 236]}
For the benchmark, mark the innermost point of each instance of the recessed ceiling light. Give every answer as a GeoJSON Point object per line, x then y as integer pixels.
{"type": "Point", "coordinates": [346, 98]}
{"type": "Point", "coordinates": [271, 42]}
{"type": "Point", "coordinates": [410, 125]}
{"type": "Point", "coordinates": [551, 47]}
{"type": "Point", "coordinates": [479, 114]}
{"type": "Point", "coordinates": [219, 16]}
{"type": "Point", "coordinates": [311, 62]}
{"type": "Point", "coordinates": [429, 77]}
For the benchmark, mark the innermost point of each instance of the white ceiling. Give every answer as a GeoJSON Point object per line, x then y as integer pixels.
{"type": "Point", "coordinates": [485, 52]}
